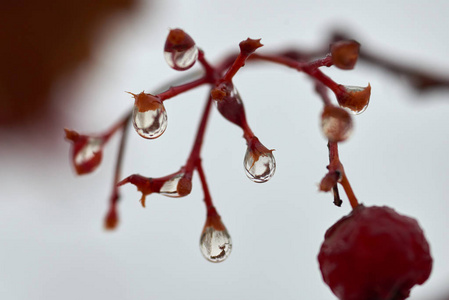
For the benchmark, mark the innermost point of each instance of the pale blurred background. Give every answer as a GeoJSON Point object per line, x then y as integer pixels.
{"type": "Point", "coordinates": [52, 242]}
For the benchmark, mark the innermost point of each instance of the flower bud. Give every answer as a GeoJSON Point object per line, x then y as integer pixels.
{"type": "Point", "coordinates": [336, 123]}
{"type": "Point", "coordinates": [111, 220]}
{"type": "Point", "coordinates": [229, 103]}
{"type": "Point", "coordinates": [345, 54]}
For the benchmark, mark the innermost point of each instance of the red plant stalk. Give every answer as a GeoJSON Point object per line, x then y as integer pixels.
{"type": "Point", "coordinates": [149, 119]}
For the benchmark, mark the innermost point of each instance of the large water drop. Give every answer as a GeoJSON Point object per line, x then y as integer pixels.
{"type": "Point", "coordinates": [150, 124]}
{"type": "Point", "coordinates": [215, 245]}
{"type": "Point", "coordinates": [181, 60]}
{"type": "Point", "coordinates": [259, 168]}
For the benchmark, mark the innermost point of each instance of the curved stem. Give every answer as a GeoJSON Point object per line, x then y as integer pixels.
{"type": "Point", "coordinates": [207, 196]}
{"type": "Point", "coordinates": [196, 149]}
{"type": "Point", "coordinates": [176, 90]}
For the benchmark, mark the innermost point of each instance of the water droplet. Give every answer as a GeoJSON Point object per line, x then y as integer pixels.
{"type": "Point", "coordinates": [181, 60]}
{"type": "Point", "coordinates": [354, 98]}
{"type": "Point", "coordinates": [86, 153]}
{"type": "Point", "coordinates": [215, 245]}
{"type": "Point", "coordinates": [88, 157]}
{"type": "Point", "coordinates": [336, 123]}
{"type": "Point", "coordinates": [177, 186]}
{"type": "Point", "coordinates": [345, 54]}
{"type": "Point", "coordinates": [259, 167]}
{"type": "Point", "coordinates": [150, 124]}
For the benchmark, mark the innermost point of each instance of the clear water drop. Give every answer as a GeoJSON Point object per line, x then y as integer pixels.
{"type": "Point", "coordinates": [177, 186]}
{"type": "Point", "coordinates": [181, 60]}
{"type": "Point", "coordinates": [259, 168]}
{"type": "Point", "coordinates": [150, 124]}
{"type": "Point", "coordinates": [353, 88]}
{"type": "Point", "coordinates": [215, 245]}
{"type": "Point", "coordinates": [88, 152]}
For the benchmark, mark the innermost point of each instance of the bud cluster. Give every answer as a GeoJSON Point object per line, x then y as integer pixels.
{"type": "Point", "coordinates": [149, 118]}
{"type": "Point", "coordinates": [345, 259]}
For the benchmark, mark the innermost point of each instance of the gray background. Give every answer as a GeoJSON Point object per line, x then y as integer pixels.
{"type": "Point", "coordinates": [53, 246]}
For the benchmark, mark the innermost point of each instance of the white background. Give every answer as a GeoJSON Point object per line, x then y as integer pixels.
{"type": "Point", "coordinates": [53, 246]}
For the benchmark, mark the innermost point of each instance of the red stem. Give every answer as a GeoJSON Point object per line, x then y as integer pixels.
{"type": "Point", "coordinates": [239, 62]}
{"type": "Point", "coordinates": [124, 121]}
{"type": "Point", "coordinates": [115, 196]}
{"type": "Point", "coordinates": [176, 90]}
{"type": "Point", "coordinates": [336, 166]}
{"type": "Point", "coordinates": [211, 73]}
{"type": "Point", "coordinates": [207, 196]}
{"type": "Point", "coordinates": [196, 149]}
{"type": "Point", "coordinates": [310, 68]}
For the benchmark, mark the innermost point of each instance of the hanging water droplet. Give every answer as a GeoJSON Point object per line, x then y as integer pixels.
{"type": "Point", "coordinates": [215, 245]}
{"type": "Point", "coordinates": [177, 186]}
{"type": "Point", "coordinates": [91, 149]}
{"type": "Point", "coordinates": [87, 151]}
{"type": "Point", "coordinates": [353, 88]}
{"type": "Point", "coordinates": [336, 123]}
{"type": "Point", "coordinates": [259, 167]}
{"type": "Point", "coordinates": [354, 98]}
{"type": "Point", "coordinates": [180, 50]}
{"type": "Point", "coordinates": [150, 124]}
{"type": "Point", "coordinates": [181, 60]}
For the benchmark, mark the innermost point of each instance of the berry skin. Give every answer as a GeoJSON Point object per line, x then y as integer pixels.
{"type": "Point", "coordinates": [374, 253]}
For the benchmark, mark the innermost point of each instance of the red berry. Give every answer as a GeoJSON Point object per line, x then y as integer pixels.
{"type": "Point", "coordinates": [374, 253]}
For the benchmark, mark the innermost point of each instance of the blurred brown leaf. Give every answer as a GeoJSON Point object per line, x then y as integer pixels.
{"type": "Point", "coordinates": [41, 40]}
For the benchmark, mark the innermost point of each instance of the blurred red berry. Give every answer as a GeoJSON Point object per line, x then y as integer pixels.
{"type": "Point", "coordinates": [374, 253]}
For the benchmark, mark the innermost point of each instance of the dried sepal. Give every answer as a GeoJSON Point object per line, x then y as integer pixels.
{"type": "Point", "coordinates": [145, 102]}
{"type": "Point", "coordinates": [355, 98]}
{"type": "Point", "coordinates": [143, 184]}
{"type": "Point", "coordinates": [248, 46]}
{"type": "Point", "coordinates": [329, 181]}
{"type": "Point", "coordinates": [345, 54]}
{"type": "Point", "coordinates": [176, 185]}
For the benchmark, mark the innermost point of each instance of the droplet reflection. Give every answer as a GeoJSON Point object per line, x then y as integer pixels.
{"type": "Point", "coordinates": [150, 124]}
{"type": "Point", "coordinates": [259, 168]}
{"type": "Point", "coordinates": [181, 60]}
{"type": "Point", "coordinates": [215, 245]}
